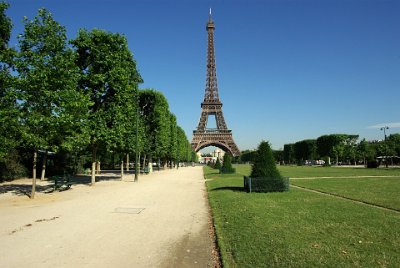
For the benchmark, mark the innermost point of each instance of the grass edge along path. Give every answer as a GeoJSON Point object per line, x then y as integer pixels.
{"type": "Point", "coordinates": [298, 228]}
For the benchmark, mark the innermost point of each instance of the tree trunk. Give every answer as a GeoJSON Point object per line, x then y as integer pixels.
{"type": "Point", "coordinates": [144, 161]}
{"type": "Point", "coordinates": [93, 166]}
{"type": "Point", "coordinates": [127, 162]}
{"type": "Point", "coordinates": [329, 160]}
{"type": "Point", "coordinates": [34, 175]}
{"type": "Point", "coordinates": [113, 161]}
{"type": "Point", "coordinates": [139, 163]}
{"type": "Point", "coordinates": [34, 165]}
{"type": "Point", "coordinates": [150, 165]}
{"type": "Point", "coordinates": [122, 167]}
{"type": "Point", "coordinates": [98, 169]}
{"type": "Point", "coordinates": [44, 166]}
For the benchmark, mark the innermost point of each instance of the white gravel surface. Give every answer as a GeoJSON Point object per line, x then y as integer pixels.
{"type": "Point", "coordinates": [160, 221]}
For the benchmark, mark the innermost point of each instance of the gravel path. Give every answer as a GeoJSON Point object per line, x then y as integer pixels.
{"type": "Point", "coordinates": [161, 221]}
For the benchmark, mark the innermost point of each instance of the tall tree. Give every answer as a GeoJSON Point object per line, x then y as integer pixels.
{"type": "Point", "coordinates": [9, 113]}
{"type": "Point", "coordinates": [365, 151]}
{"type": "Point", "coordinates": [174, 140]}
{"type": "Point", "coordinates": [288, 153]}
{"type": "Point", "coordinates": [350, 148]}
{"type": "Point", "coordinates": [182, 144]}
{"type": "Point", "coordinates": [109, 76]}
{"type": "Point", "coordinates": [331, 145]}
{"type": "Point", "coordinates": [305, 150]}
{"type": "Point", "coordinates": [156, 117]}
{"type": "Point", "coordinates": [394, 143]}
{"type": "Point", "coordinates": [51, 104]}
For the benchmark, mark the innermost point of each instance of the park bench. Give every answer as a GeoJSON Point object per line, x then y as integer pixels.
{"type": "Point", "coordinates": [62, 183]}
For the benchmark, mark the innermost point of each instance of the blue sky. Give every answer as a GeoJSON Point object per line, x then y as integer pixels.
{"type": "Point", "coordinates": [287, 70]}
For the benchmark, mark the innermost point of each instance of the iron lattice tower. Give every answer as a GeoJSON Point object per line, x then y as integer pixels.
{"type": "Point", "coordinates": [221, 136]}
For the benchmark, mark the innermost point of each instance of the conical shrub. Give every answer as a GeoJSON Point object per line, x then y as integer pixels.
{"type": "Point", "coordinates": [264, 162]}
{"type": "Point", "coordinates": [227, 164]}
{"type": "Point", "coordinates": [265, 177]}
{"type": "Point", "coordinates": [217, 164]}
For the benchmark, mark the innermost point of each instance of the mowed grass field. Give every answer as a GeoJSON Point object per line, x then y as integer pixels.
{"type": "Point", "coordinates": [300, 228]}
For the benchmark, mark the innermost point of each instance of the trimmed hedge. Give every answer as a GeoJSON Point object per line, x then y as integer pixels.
{"type": "Point", "coordinates": [265, 184]}
{"type": "Point", "coordinates": [224, 170]}
{"type": "Point", "coordinates": [372, 164]}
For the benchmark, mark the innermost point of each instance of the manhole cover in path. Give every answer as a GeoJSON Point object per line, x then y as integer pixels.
{"type": "Point", "coordinates": [129, 210]}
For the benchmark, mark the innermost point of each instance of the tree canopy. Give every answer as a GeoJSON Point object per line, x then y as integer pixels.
{"type": "Point", "coordinates": [79, 98]}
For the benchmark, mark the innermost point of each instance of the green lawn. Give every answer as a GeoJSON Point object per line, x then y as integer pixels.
{"type": "Point", "coordinates": [380, 191]}
{"type": "Point", "coordinates": [299, 228]}
{"type": "Point", "coordinates": [318, 171]}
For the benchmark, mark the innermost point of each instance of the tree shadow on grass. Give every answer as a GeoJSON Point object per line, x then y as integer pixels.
{"type": "Point", "coordinates": [230, 188]}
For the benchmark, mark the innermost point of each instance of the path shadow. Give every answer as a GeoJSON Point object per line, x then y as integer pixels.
{"type": "Point", "coordinates": [230, 188]}
{"type": "Point", "coordinates": [20, 189]}
{"type": "Point", "coordinates": [24, 189]}
{"type": "Point", "coordinates": [87, 179]}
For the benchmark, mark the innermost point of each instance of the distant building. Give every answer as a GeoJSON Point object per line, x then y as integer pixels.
{"type": "Point", "coordinates": [216, 154]}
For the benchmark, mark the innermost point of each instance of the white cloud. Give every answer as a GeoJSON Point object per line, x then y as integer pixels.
{"type": "Point", "coordinates": [390, 125]}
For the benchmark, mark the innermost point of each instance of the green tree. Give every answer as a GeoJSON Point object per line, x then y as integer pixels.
{"type": "Point", "coordinates": [156, 117]}
{"type": "Point", "coordinates": [394, 143]}
{"type": "Point", "coordinates": [108, 75]}
{"type": "Point", "coordinates": [278, 155]}
{"type": "Point", "coordinates": [227, 164]}
{"type": "Point", "coordinates": [350, 148]}
{"type": "Point", "coordinates": [173, 140]}
{"type": "Point", "coordinates": [365, 151]}
{"type": "Point", "coordinates": [334, 145]}
{"type": "Point", "coordinates": [182, 144]}
{"type": "Point", "coordinates": [217, 164]}
{"type": "Point", "coordinates": [194, 157]}
{"type": "Point", "coordinates": [264, 164]}
{"type": "Point", "coordinates": [248, 155]}
{"type": "Point", "coordinates": [51, 104]}
{"type": "Point", "coordinates": [265, 177]}
{"type": "Point", "coordinates": [305, 150]}
{"type": "Point", "coordinates": [9, 112]}
{"type": "Point", "coordinates": [10, 128]}
{"type": "Point", "coordinates": [288, 153]}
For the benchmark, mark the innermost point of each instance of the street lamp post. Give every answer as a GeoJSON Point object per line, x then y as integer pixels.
{"type": "Point", "coordinates": [386, 149]}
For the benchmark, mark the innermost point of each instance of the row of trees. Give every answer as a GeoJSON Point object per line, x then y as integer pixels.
{"type": "Point", "coordinates": [77, 98]}
{"type": "Point", "coordinates": [338, 148]}
{"type": "Point", "coordinates": [342, 148]}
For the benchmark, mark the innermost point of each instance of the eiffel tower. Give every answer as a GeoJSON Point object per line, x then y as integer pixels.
{"type": "Point", "coordinates": [221, 136]}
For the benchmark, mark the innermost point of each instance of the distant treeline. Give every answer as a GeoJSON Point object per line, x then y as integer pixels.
{"type": "Point", "coordinates": [335, 149]}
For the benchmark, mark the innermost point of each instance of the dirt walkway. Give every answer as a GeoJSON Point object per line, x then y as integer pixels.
{"type": "Point", "coordinates": [161, 221]}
